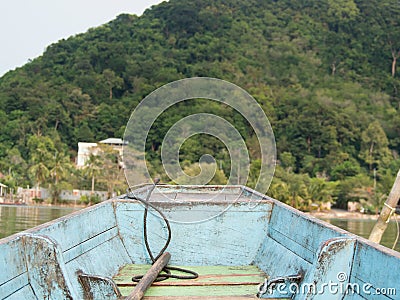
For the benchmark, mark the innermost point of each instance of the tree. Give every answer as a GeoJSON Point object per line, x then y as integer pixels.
{"type": "Point", "coordinates": [93, 167]}
{"type": "Point", "coordinates": [206, 170]}
{"type": "Point", "coordinates": [282, 52]}
{"type": "Point", "coordinates": [387, 17]}
{"type": "Point", "coordinates": [15, 166]}
{"type": "Point", "coordinates": [61, 167]}
{"type": "Point", "coordinates": [321, 191]}
{"type": "Point", "coordinates": [287, 160]}
{"type": "Point", "coordinates": [41, 150]}
{"type": "Point", "coordinates": [298, 192]}
{"type": "Point", "coordinates": [348, 189]}
{"type": "Point", "coordinates": [60, 170]}
{"type": "Point", "coordinates": [291, 188]}
{"type": "Point", "coordinates": [279, 190]}
{"type": "Point", "coordinates": [79, 106]}
{"type": "Point", "coordinates": [40, 173]}
{"type": "Point", "coordinates": [381, 24]}
{"type": "Point", "coordinates": [374, 146]}
{"type": "Point", "coordinates": [345, 169]}
{"type": "Point", "coordinates": [111, 168]}
{"type": "Point", "coordinates": [340, 11]}
{"type": "Point", "coordinates": [112, 81]}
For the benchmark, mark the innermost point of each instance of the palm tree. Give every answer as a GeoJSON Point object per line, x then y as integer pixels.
{"type": "Point", "coordinates": [297, 190]}
{"type": "Point", "coordinates": [40, 172]}
{"type": "Point", "coordinates": [61, 166]}
{"type": "Point", "coordinates": [41, 149]}
{"type": "Point", "coordinates": [111, 167]}
{"type": "Point", "coordinates": [279, 190]}
{"type": "Point", "coordinates": [93, 166]}
{"type": "Point", "coordinates": [321, 191]}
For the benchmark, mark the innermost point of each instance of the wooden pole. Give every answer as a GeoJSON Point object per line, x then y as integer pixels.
{"type": "Point", "coordinates": [386, 212]}
{"type": "Point", "coordinates": [149, 277]}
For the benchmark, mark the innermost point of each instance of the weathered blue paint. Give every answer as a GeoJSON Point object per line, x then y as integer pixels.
{"type": "Point", "coordinates": [45, 262]}
{"type": "Point", "coordinates": [98, 287]}
{"type": "Point", "coordinates": [40, 269]}
{"type": "Point", "coordinates": [375, 267]}
{"type": "Point", "coordinates": [333, 264]}
{"type": "Point", "coordinates": [229, 239]}
{"type": "Point", "coordinates": [46, 278]}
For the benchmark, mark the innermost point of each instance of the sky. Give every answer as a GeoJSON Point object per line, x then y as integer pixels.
{"type": "Point", "coordinates": [27, 27]}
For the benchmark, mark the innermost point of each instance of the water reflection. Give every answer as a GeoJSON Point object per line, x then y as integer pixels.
{"type": "Point", "coordinates": [363, 227]}
{"type": "Point", "coordinates": [14, 219]}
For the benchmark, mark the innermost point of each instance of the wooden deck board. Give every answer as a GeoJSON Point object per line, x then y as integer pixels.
{"type": "Point", "coordinates": [214, 282]}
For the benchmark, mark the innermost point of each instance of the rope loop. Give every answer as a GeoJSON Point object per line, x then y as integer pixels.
{"type": "Point", "coordinates": [167, 270]}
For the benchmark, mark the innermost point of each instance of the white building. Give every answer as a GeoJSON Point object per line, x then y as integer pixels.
{"type": "Point", "coordinates": [116, 143]}
{"type": "Point", "coordinates": [3, 188]}
{"type": "Point", "coordinates": [85, 149]}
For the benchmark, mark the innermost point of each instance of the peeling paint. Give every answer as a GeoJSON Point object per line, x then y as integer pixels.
{"type": "Point", "coordinates": [98, 287]}
{"type": "Point", "coordinates": [42, 263]}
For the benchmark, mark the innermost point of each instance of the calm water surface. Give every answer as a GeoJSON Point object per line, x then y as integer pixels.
{"type": "Point", "coordinates": [363, 227]}
{"type": "Point", "coordinates": [14, 219]}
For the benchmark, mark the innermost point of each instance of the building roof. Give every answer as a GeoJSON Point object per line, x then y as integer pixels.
{"type": "Point", "coordinates": [113, 141]}
{"type": "Point", "coordinates": [3, 185]}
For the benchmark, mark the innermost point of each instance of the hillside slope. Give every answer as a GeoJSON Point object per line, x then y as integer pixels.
{"type": "Point", "coordinates": [324, 71]}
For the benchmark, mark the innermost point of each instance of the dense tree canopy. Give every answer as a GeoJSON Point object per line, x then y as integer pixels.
{"type": "Point", "coordinates": [325, 72]}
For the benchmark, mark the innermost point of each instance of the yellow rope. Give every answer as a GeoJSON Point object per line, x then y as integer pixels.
{"type": "Point", "coordinates": [398, 231]}
{"type": "Point", "coordinates": [393, 213]}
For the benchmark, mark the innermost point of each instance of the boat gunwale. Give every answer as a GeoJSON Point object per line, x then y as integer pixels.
{"type": "Point", "coordinates": [264, 199]}
{"type": "Point", "coordinates": [324, 223]}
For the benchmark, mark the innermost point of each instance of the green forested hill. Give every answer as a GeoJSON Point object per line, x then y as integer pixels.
{"type": "Point", "coordinates": [324, 71]}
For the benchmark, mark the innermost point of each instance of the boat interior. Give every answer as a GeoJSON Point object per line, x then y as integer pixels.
{"type": "Point", "coordinates": [241, 243]}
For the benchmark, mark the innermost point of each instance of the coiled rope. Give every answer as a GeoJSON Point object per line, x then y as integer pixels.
{"type": "Point", "coordinates": [167, 270]}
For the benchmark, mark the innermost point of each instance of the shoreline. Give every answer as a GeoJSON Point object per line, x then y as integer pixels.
{"type": "Point", "coordinates": [336, 213]}
{"type": "Point", "coordinates": [61, 205]}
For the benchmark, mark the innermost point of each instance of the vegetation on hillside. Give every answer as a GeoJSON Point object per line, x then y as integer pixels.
{"type": "Point", "coordinates": [325, 72]}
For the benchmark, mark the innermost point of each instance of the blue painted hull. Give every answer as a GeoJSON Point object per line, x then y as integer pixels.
{"type": "Point", "coordinates": [47, 262]}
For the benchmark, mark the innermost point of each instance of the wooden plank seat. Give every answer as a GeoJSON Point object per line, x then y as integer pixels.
{"type": "Point", "coordinates": [214, 282]}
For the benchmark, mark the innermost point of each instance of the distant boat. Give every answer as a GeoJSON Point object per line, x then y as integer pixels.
{"type": "Point", "coordinates": [241, 243]}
